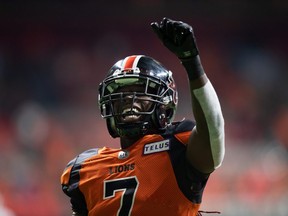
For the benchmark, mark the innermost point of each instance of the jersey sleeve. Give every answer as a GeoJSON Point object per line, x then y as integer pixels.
{"type": "Point", "coordinates": [70, 182]}
{"type": "Point", "coordinates": [190, 181]}
{"type": "Point", "coordinates": [183, 130]}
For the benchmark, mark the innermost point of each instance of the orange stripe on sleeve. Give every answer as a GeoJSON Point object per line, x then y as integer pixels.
{"type": "Point", "coordinates": [183, 137]}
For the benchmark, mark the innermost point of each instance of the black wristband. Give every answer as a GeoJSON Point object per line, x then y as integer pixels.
{"type": "Point", "coordinates": [193, 67]}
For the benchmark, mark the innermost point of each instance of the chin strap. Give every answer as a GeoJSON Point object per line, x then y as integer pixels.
{"type": "Point", "coordinates": [132, 130]}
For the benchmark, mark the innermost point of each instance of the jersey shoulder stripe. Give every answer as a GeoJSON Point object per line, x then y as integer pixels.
{"type": "Point", "coordinates": [83, 156]}
{"type": "Point", "coordinates": [70, 176]}
{"type": "Point", "coordinates": [70, 181]}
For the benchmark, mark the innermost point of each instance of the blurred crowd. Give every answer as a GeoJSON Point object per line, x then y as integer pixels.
{"type": "Point", "coordinates": [53, 57]}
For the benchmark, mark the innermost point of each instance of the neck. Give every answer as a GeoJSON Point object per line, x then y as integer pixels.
{"type": "Point", "coordinates": [128, 141]}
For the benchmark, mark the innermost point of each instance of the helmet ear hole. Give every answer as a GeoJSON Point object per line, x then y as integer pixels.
{"type": "Point", "coordinates": [170, 114]}
{"type": "Point", "coordinates": [163, 117]}
{"type": "Point", "coordinates": [160, 117]}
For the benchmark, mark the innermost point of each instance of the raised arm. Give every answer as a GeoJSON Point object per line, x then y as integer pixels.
{"type": "Point", "coordinates": [205, 150]}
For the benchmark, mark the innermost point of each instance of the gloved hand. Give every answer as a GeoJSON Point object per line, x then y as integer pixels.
{"type": "Point", "coordinates": [178, 37]}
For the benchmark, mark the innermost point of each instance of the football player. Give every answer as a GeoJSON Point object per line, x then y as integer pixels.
{"type": "Point", "coordinates": [162, 166]}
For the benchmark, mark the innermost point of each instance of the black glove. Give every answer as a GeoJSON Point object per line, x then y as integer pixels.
{"type": "Point", "coordinates": [178, 37]}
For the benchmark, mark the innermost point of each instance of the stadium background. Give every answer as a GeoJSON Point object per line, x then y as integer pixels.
{"type": "Point", "coordinates": [54, 54]}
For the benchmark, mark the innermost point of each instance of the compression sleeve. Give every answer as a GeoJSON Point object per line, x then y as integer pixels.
{"type": "Point", "coordinates": [210, 105]}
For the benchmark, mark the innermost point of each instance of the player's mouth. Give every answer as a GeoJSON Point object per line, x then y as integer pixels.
{"type": "Point", "coordinates": [130, 115]}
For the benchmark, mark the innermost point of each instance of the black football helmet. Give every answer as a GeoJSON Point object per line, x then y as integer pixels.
{"type": "Point", "coordinates": [158, 85]}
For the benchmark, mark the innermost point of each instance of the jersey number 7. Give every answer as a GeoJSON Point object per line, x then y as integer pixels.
{"type": "Point", "coordinates": [128, 186]}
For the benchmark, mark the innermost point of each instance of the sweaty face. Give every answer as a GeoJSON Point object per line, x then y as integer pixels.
{"type": "Point", "coordinates": [133, 103]}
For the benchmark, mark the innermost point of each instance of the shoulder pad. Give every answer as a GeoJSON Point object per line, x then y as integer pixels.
{"type": "Point", "coordinates": [70, 177]}
{"type": "Point", "coordinates": [181, 126]}
{"type": "Point", "coordinates": [83, 156]}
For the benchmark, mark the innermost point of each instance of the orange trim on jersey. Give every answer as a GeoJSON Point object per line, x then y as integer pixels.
{"type": "Point", "coordinates": [66, 176]}
{"type": "Point", "coordinates": [183, 137]}
{"type": "Point", "coordinates": [129, 62]}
